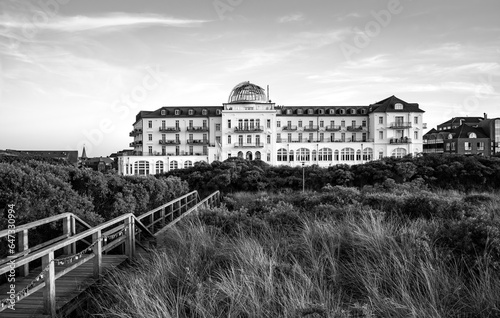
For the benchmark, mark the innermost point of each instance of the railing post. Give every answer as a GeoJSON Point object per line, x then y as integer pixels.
{"type": "Point", "coordinates": [171, 208]}
{"type": "Point", "coordinates": [22, 239]}
{"type": "Point", "coordinates": [49, 292]}
{"type": "Point", "coordinates": [97, 250]}
{"type": "Point", "coordinates": [130, 237]}
{"type": "Point", "coordinates": [162, 217]}
{"type": "Point", "coordinates": [68, 230]}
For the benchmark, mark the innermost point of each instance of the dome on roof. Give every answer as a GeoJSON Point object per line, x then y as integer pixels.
{"type": "Point", "coordinates": [247, 92]}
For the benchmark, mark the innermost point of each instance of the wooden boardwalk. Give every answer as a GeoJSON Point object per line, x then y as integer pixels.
{"type": "Point", "coordinates": [53, 289]}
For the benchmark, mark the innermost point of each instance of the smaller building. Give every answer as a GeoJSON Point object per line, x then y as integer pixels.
{"type": "Point", "coordinates": [464, 135]}
{"type": "Point", "coordinates": [99, 164]}
{"type": "Point", "coordinates": [70, 156]}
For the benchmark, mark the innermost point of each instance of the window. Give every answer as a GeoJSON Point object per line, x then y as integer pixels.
{"type": "Point", "coordinates": [303, 154]}
{"type": "Point", "coordinates": [218, 112]}
{"type": "Point", "coordinates": [321, 111]}
{"type": "Point", "coordinates": [141, 168]}
{"type": "Point", "coordinates": [347, 154]}
{"type": "Point", "coordinates": [289, 124]}
{"type": "Point", "coordinates": [282, 155]}
{"type": "Point", "coordinates": [177, 138]}
{"type": "Point", "coordinates": [159, 167]}
{"type": "Point", "coordinates": [217, 139]}
{"type": "Point", "coordinates": [468, 145]}
{"type": "Point", "coordinates": [472, 135]}
{"type": "Point", "coordinates": [398, 106]}
{"type": "Point", "coordinates": [448, 146]}
{"type": "Point", "coordinates": [342, 137]}
{"type": "Point", "coordinates": [290, 155]}
{"type": "Point", "coordinates": [249, 139]}
{"type": "Point", "coordinates": [278, 137]}
{"type": "Point", "coordinates": [480, 145]}
{"type": "Point", "coordinates": [150, 150]}
{"type": "Point", "coordinates": [311, 137]}
{"type": "Point", "coordinates": [150, 124]}
{"type": "Point", "coordinates": [380, 135]}
{"type": "Point", "coordinates": [353, 111]}
{"type": "Point", "coordinates": [173, 165]}
{"type": "Point", "coordinates": [358, 155]}
{"type": "Point", "coordinates": [269, 123]}
{"type": "Point", "coordinates": [163, 124]}
{"type": "Point", "coordinates": [278, 124]}
{"type": "Point", "coordinates": [380, 154]}
{"type": "Point", "coordinates": [204, 124]}
{"type": "Point", "coordinates": [257, 155]}
{"type": "Point", "coordinates": [342, 123]}
{"type": "Point", "coordinates": [332, 137]}
{"type": "Point", "coordinates": [190, 112]}
{"type": "Point", "coordinates": [204, 112]}
{"type": "Point", "coordinates": [336, 155]}
{"type": "Point", "coordinates": [150, 137]}
{"type": "Point", "coordinates": [353, 137]}
{"type": "Point", "coordinates": [314, 155]}
{"type": "Point", "coordinates": [289, 137]}
{"type": "Point", "coordinates": [177, 112]}
{"type": "Point", "coordinates": [363, 123]}
{"type": "Point", "coordinates": [163, 112]}
{"type": "Point", "coordinates": [257, 140]}
{"type": "Point", "coordinates": [415, 120]}
{"type": "Point", "coordinates": [217, 127]}
{"type": "Point", "coordinates": [299, 111]}
{"type": "Point", "coordinates": [177, 150]}
{"type": "Point", "coordinates": [321, 137]}
{"type": "Point", "coordinates": [381, 120]}
{"type": "Point", "coordinates": [353, 123]}
{"type": "Point", "coordinates": [325, 154]}
{"type": "Point", "coordinates": [229, 139]}
{"type": "Point", "coordinates": [310, 111]}
{"type": "Point", "coordinates": [300, 123]}
{"type": "Point", "coordinates": [191, 124]}
{"type": "Point", "coordinates": [229, 123]}
{"type": "Point", "coordinates": [321, 124]}
{"type": "Point", "coordinates": [163, 150]}
{"type": "Point", "coordinates": [268, 156]}
{"type": "Point", "coordinates": [205, 138]}
{"type": "Point", "coordinates": [300, 137]}
{"type": "Point", "coordinates": [331, 111]}
{"type": "Point", "coordinates": [268, 139]}
{"type": "Point", "coordinates": [188, 164]}
{"type": "Point", "coordinates": [288, 111]}
{"type": "Point", "coordinates": [398, 153]}
{"type": "Point", "coordinates": [367, 154]}
{"type": "Point", "coordinates": [453, 146]}
{"type": "Point", "coordinates": [191, 137]}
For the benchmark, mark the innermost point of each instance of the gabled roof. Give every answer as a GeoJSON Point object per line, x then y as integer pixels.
{"type": "Point", "coordinates": [468, 120]}
{"type": "Point", "coordinates": [387, 106]}
{"type": "Point", "coordinates": [464, 130]}
{"type": "Point", "coordinates": [169, 111]}
{"type": "Point", "coordinates": [432, 131]}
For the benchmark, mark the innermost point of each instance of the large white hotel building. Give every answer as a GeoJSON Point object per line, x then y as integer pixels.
{"type": "Point", "coordinates": [250, 126]}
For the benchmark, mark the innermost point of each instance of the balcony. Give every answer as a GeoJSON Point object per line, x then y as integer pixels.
{"type": "Point", "coordinates": [333, 128]}
{"type": "Point", "coordinates": [402, 140]}
{"type": "Point", "coordinates": [246, 129]}
{"type": "Point", "coordinates": [136, 143]}
{"type": "Point", "coordinates": [289, 128]}
{"type": "Point", "coordinates": [400, 125]}
{"type": "Point", "coordinates": [170, 142]}
{"type": "Point", "coordinates": [197, 128]}
{"type": "Point", "coordinates": [311, 128]}
{"type": "Point", "coordinates": [249, 145]}
{"type": "Point", "coordinates": [135, 132]}
{"type": "Point", "coordinates": [355, 128]}
{"type": "Point", "coordinates": [170, 129]}
{"type": "Point", "coordinates": [197, 142]}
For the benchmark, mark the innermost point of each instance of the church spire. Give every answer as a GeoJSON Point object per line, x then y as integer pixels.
{"type": "Point", "coordinates": [84, 154]}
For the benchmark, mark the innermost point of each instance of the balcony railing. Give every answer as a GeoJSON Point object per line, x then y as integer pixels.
{"type": "Point", "coordinates": [249, 145]}
{"type": "Point", "coordinates": [170, 129]}
{"type": "Point", "coordinates": [285, 140]}
{"type": "Point", "coordinates": [135, 143]}
{"type": "Point", "coordinates": [135, 132]}
{"type": "Point", "coordinates": [197, 128]}
{"type": "Point", "coordinates": [333, 128]}
{"type": "Point", "coordinates": [402, 140]}
{"type": "Point", "coordinates": [197, 142]}
{"type": "Point", "coordinates": [311, 128]}
{"type": "Point", "coordinates": [290, 127]}
{"type": "Point", "coordinates": [248, 129]}
{"type": "Point", "coordinates": [170, 142]}
{"type": "Point", "coordinates": [400, 125]}
{"type": "Point", "coordinates": [355, 128]}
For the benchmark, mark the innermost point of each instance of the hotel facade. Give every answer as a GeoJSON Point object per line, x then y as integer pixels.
{"type": "Point", "coordinates": [250, 126]}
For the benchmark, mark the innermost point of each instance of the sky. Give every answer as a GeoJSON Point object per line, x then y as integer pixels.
{"type": "Point", "coordinates": [75, 72]}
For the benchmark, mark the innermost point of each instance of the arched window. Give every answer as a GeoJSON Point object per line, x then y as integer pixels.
{"type": "Point", "coordinates": [303, 154]}
{"type": "Point", "coordinates": [159, 167]}
{"type": "Point", "coordinates": [347, 154]}
{"type": "Point", "coordinates": [141, 168]}
{"type": "Point", "coordinates": [398, 153]}
{"type": "Point", "coordinates": [173, 165]}
{"type": "Point", "coordinates": [204, 112]}
{"type": "Point", "coordinates": [325, 154]}
{"type": "Point", "coordinates": [282, 154]}
{"type": "Point", "coordinates": [367, 154]}
{"type": "Point", "coordinates": [314, 155]}
{"type": "Point", "coordinates": [240, 154]}
{"type": "Point", "coordinates": [291, 155]}
{"type": "Point", "coordinates": [358, 155]}
{"type": "Point", "coordinates": [472, 135]}
{"type": "Point", "coordinates": [353, 111]}
{"type": "Point", "coordinates": [188, 164]}
{"type": "Point", "coordinates": [249, 155]}
{"type": "Point", "coordinates": [331, 111]}
{"type": "Point", "coordinates": [336, 156]}
{"type": "Point", "coordinates": [257, 155]}
{"type": "Point", "coordinates": [310, 111]}
{"type": "Point", "coordinates": [321, 111]}
{"type": "Point", "coordinates": [288, 111]}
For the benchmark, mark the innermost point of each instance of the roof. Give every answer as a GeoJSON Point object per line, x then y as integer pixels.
{"type": "Point", "coordinates": [246, 92]}
{"type": "Point", "coordinates": [170, 111]}
{"type": "Point", "coordinates": [464, 130]}
{"type": "Point", "coordinates": [388, 106]}
{"type": "Point", "coordinates": [323, 110]}
{"type": "Point", "coordinates": [457, 120]}
{"type": "Point", "coordinates": [69, 155]}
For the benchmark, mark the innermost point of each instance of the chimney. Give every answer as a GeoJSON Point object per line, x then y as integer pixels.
{"type": "Point", "coordinates": [485, 116]}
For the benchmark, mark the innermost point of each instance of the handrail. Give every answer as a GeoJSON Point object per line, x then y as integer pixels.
{"type": "Point", "coordinates": [146, 214]}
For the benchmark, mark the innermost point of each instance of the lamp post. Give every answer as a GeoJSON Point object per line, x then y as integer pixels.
{"type": "Point", "coordinates": [303, 178]}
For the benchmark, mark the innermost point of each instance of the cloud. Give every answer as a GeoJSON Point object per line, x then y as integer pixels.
{"type": "Point", "coordinates": [296, 17]}
{"type": "Point", "coordinates": [108, 22]}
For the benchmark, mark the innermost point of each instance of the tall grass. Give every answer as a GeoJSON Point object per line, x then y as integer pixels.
{"type": "Point", "coordinates": [364, 265]}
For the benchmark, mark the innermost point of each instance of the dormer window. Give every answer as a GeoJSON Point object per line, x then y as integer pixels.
{"type": "Point", "coordinates": [163, 112]}
{"type": "Point", "coordinates": [450, 136]}
{"type": "Point", "coordinates": [299, 111]}
{"type": "Point", "coordinates": [332, 111]}
{"type": "Point", "coordinates": [218, 112]}
{"type": "Point", "coordinates": [310, 111]}
{"type": "Point", "coordinates": [363, 111]}
{"type": "Point", "coordinates": [321, 111]}
{"type": "Point", "coordinates": [353, 111]}
{"type": "Point", "coordinates": [190, 112]}
{"type": "Point", "coordinates": [341, 111]}
{"type": "Point", "coordinates": [472, 135]}
{"type": "Point", "coordinates": [398, 106]}
{"type": "Point", "coordinates": [288, 111]}
{"type": "Point", "coordinates": [204, 112]}
{"type": "Point", "coordinates": [177, 112]}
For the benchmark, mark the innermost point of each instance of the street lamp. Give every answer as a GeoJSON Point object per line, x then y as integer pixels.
{"type": "Point", "coordinates": [303, 178]}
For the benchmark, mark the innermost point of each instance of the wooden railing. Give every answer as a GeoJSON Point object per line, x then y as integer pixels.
{"type": "Point", "coordinates": [124, 231]}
